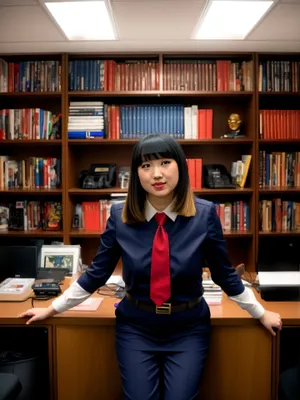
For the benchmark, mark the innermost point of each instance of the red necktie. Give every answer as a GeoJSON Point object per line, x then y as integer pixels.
{"type": "Point", "coordinates": [160, 288]}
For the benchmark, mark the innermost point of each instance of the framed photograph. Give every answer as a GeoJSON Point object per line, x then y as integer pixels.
{"type": "Point", "coordinates": [64, 257]}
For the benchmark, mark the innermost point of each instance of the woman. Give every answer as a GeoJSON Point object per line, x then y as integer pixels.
{"type": "Point", "coordinates": [163, 235]}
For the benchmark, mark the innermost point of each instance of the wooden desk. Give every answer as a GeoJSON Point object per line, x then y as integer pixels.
{"type": "Point", "coordinates": [243, 356]}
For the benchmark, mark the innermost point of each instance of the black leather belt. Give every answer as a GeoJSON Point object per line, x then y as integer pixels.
{"type": "Point", "coordinates": [165, 308]}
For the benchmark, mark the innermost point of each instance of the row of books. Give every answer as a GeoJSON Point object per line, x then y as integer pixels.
{"type": "Point", "coordinates": [195, 172]}
{"type": "Point", "coordinates": [208, 75]}
{"type": "Point", "coordinates": [29, 215]}
{"type": "Point", "coordinates": [279, 76]}
{"type": "Point", "coordinates": [110, 75]}
{"type": "Point", "coordinates": [96, 119]}
{"type": "Point", "coordinates": [30, 173]}
{"type": "Point", "coordinates": [279, 169]}
{"type": "Point", "coordinates": [30, 76]}
{"type": "Point", "coordinates": [279, 124]}
{"type": "Point", "coordinates": [93, 215]}
{"type": "Point", "coordinates": [27, 123]}
{"type": "Point", "coordinates": [279, 215]}
{"type": "Point", "coordinates": [141, 75]}
{"type": "Point", "coordinates": [234, 216]}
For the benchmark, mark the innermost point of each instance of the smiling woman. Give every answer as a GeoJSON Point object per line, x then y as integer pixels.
{"type": "Point", "coordinates": [159, 171]}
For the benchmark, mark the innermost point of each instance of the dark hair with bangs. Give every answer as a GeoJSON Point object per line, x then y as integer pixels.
{"type": "Point", "coordinates": [150, 147]}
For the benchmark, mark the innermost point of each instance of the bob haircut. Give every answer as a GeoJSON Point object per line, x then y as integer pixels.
{"type": "Point", "coordinates": [154, 147]}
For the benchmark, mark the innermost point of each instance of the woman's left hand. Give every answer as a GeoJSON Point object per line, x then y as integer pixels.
{"type": "Point", "coordinates": [271, 320]}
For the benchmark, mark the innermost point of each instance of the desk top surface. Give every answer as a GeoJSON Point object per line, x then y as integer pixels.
{"type": "Point", "coordinates": [228, 313]}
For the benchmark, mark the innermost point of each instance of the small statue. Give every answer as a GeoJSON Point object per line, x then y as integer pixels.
{"type": "Point", "coordinates": [56, 126]}
{"type": "Point", "coordinates": [234, 123]}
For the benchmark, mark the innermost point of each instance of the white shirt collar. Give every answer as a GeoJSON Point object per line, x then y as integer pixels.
{"type": "Point", "coordinates": [150, 211]}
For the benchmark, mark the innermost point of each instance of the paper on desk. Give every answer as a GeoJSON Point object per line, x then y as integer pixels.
{"type": "Point", "coordinates": [90, 304]}
{"type": "Point", "coordinates": [279, 278]}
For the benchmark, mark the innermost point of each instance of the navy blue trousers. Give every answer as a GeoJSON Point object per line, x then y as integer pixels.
{"type": "Point", "coordinates": [161, 357]}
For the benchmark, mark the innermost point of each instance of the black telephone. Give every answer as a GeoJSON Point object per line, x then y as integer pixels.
{"type": "Point", "coordinates": [215, 176]}
{"type": "Point", "coordinates": [99, 176]}
{"type": "Point", "coordinates": [47, 288]}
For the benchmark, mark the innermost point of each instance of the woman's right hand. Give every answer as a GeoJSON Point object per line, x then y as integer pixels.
{"type": "Point", "coordinates": [38, 314]}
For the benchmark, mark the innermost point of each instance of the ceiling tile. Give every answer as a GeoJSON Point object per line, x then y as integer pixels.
{"type": "Point", "coordinates": [19, 24]}
{"type": "Point", "coordinates": [148, 20]}
{"type": "Point", "coordinates": [282, 23]}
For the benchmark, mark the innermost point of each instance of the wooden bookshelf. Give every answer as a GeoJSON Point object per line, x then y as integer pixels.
{"type": "Point", "coordinates": [277, 107]}
{"type": "Point", "coordinates": [77, 154]}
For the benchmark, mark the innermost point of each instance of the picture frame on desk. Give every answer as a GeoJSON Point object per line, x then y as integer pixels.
{"type": "Point", "coordinates": [63, 256]}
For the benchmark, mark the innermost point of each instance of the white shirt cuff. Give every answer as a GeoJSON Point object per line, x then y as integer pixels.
{"type": "Point", "coordinates": [247, 301]}
{"type": "Point", "coordinates": [71, 297]}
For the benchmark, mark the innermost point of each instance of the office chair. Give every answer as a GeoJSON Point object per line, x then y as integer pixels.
{"type": "Point", "coordinates": [10, 386]}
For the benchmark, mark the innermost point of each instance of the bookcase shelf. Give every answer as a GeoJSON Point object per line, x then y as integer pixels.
{"type": "Point", "coordinates": [96, 192]}
{"type": "Point", "coordinates": [96, 234]}
{"type": "Point", "coordinates": [212, 192]}
{"type": "Point", "coordinates": [31, 142]}
{"type": "Point", "coordinates": [204, 93]}
{"type": "Point", "coordinates": [77, 155]}
{"type": "Point", "coordinates": [33, 234]}
{"type": "Point", "coordinates": [279, 93]}
{"type": "Point", "coordinates": [266, 234]}
{"type": "Point", "coordinates": [84, 234]}
{"type": "Point", "coordinates": [196, 142]}
{"type": "Point", "coordinates": [279, 190]}
{"type": "Point", "coordinates": [29, 94]}
{"type": "Point", "coordinates": [238, 234]}
{"type": "Point", "coordinates": [157, 93]}
{"type": "Point", "coordinates": [279, 141]}
{"type": "Point", "coordinates": [31, 192]}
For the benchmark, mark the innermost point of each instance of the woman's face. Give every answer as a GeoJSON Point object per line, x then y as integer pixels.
{"type": "Point", "coordinates": [159, 177]}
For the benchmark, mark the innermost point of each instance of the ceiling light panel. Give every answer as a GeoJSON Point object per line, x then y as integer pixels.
{"type": "Point", "coordinates": [230, 19]}
{"type": "Point", "coordinates": [84, 20]}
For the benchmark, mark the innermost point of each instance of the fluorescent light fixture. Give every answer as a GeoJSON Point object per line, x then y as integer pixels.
{"type": "Point", "coordinates": [230, 20]}
{"type": "Point", "coordinates": [84, 20]}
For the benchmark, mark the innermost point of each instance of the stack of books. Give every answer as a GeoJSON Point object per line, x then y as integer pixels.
{"type": "Point", "coordinates": [86, 120]}
{"type": "Point", "coordinates": [212, 293]}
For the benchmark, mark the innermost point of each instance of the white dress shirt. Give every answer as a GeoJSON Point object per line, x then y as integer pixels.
{"type": "Point", "coordinates": [75, 294]}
